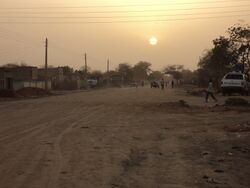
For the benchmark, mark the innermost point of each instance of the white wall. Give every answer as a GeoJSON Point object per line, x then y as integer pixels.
{"type": "Point", "coordinates": [36, 84]}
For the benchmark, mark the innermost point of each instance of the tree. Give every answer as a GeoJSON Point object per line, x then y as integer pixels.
{"type": "Point", "coordinates": [218, 61]}
{"type": "Point", "coordinates": [96, 74]}
{"type": "Point", "coordinates": [175, 71]}
{"type": "Point", "coordinates": [228, 53]}
{"type": "Point", "coordinates": [189, 77]}
{"type": "Point", "coordinates": [126, 71]}
{"type": "Point", "coordinates": [155, 75]}
{"type": "Point", "coordinates": [141, 70]}
{"type": "Point", "coordinates": [240, 44]}
{"type": "Point", "coordinates": [11, 65]}
{"type": "Point", "coordinates": [67, 71]}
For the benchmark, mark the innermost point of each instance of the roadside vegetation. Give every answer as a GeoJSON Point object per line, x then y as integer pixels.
{"type": "Point", "coordinates": [230, 52]}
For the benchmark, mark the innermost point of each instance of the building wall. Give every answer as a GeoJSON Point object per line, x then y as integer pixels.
{"type": "Point", "coordinates": [24, 73]}
{"type": "Point", "coordinates": [5, 79]}
{"type": "Point", "coordinates": [54, 74]}
{"type": "Point", "coordinates": [36, 84]}
{"type": "Point", "coordinates": [2, 84]}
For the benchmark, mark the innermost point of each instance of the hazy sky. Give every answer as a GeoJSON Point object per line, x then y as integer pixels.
{"type": "Point", "coordinates": [183, 33]}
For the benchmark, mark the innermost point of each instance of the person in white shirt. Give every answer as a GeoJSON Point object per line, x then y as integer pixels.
{"type": "Point", "coordinates": [210, 91]}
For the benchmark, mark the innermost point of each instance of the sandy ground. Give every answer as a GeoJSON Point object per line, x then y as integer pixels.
{"type": "Point", "coordinates": [122, 138]}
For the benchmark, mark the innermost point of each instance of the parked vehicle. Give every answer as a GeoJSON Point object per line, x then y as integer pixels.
{"type": "Point", "coordinates": [133, 84]}
{"type": "Point", "coordinates": [154, 84]}
{"type": "Point", "coordinates": [235, 82]}
{"type": "Point", "coordinates": [92, 82]}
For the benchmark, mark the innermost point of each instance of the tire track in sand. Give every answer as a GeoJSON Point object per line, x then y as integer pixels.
{"type": "Point", "coordinates": [57, 148]}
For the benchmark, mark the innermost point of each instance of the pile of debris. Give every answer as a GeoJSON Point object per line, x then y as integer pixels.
{"type": "Point", "coordinates": [179, 104]}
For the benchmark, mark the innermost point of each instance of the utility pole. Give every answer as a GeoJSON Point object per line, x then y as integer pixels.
{"type": "Point", "coordinates": [108, 66]}
{"type": "Point", "coordinates": [86, 64]}
{"type": "Point", "coordinates": [86, 70]}
{"type": "Point", "coordinates": [108, 72]}
{"type": "Point", "coordinates": [46, 64]}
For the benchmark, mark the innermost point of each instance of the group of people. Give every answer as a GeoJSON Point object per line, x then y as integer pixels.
{"type": "Point", "coordinates": [209, 91]}
{"type": "Point", "coordinates": [163, 84]}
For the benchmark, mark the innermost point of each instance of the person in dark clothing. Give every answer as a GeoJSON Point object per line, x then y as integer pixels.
{"type": "Point", "coordinates": [172, 83]}
{"type": "Point", "coordinates": [142, 84]}
{"type": "Point", "coordinates": [210, 91]}
{"type": "Point", "coordinates": [162, 84]}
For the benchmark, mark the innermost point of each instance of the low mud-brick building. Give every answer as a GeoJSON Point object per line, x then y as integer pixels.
{"type": "Point", "coordinates": [15, 78]}
{"type": "Point", "coordinates": [54, 75]}
{"type": "Point", "coordinates": [6, 79]}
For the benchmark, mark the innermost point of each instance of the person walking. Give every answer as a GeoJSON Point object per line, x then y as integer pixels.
{"type": "Point", "coordinates": [172, 84]}
{"type": "Point", "coordinates": [162, 84]}
{"type": "Point", "coordinates": [210, 91]}
{"type": "Point", "coordinates": [142, 84]}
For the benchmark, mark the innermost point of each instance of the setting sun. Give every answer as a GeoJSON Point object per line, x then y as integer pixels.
{"type": "Point", "coordinates": [153, 41]}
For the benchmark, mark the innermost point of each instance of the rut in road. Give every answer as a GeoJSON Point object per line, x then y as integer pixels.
{"type": "Point", "coordinates": [31, 138]}
{"type": "Point", "coordinates": [91, 114]}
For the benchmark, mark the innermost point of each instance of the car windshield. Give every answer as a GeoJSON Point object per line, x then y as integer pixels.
{"type": "Point", "coordinates": [234, 76]}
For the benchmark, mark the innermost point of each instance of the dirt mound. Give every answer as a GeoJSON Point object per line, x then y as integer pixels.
{"type": "Point", "coordinates": [183, 107]}
{"type": "Point", "coordinates": [236, 102]}
{"type": "Point", "coordinates": [226, 108]}
{"type": "Point", "coordinates": [32, 92]}
{"type": "Point", "coordinates": [179, 104]}
{"type": "Point", "coordinates": [198, 93]}
{"type": "Point", "coordinates": [244, 127]}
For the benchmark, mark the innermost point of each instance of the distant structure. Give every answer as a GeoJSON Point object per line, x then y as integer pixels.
{"type": "Point", "coordinates": [54, 75]}
{"type": "Point", "coordinates": [15, 78]}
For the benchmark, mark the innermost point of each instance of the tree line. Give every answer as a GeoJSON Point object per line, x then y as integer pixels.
{"type": "Point", "coordinates": [230, 52]}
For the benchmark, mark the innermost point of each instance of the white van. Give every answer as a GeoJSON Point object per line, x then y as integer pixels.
{"type": "Point", "coordinates": [92, 82]}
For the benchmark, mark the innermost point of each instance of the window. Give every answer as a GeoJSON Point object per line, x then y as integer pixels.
{"type": "Point", "coordinates": [1, 84]}
{"type": "Point", "coordinates": [234, 77]}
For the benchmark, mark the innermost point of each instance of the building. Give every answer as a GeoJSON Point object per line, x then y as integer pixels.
{"type": "Point", "coordinates": [6, 79]}
{"type": "Point", "coordinates": [116, 79]}
{"type": "Point", "coordinates": [54, 75]}
{"type": "Point", "coordinates": [15, 78]}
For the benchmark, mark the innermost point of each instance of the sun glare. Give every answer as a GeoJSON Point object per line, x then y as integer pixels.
{"type": "Point", "coordinates": [153, 41]}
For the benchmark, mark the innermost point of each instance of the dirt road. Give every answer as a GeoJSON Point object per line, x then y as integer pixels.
{"type": "Point", "coordinates": [122, 138]}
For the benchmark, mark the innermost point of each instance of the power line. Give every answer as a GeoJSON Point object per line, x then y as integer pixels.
{"type": "Point", "coordinates": [128, 21]}
{"type": "Point", "coordinates": [124, 5]}
{"type": "Point", "coordinates": [130, 11]}
{"type": "Point", "coordinates": [116, 16]}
